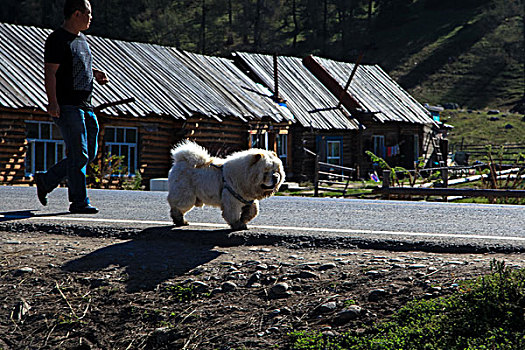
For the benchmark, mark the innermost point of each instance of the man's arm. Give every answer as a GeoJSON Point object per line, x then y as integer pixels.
{"type": "Point", "coordinates": [50, 81]}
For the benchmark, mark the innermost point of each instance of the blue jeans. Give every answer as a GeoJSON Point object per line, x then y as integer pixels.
{"type": "Point", "coordinates": [79, 130]}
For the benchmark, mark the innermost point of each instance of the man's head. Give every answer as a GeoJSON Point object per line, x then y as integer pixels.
{"type": "Point", "coordinates": [79, 12]}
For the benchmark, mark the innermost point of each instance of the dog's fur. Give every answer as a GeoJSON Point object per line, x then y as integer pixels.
{"type": "Point", "coordinates": [196, 179]}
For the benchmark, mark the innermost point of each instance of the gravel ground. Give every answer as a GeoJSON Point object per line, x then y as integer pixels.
{"type": "Point", "coordinates": [155, 291]}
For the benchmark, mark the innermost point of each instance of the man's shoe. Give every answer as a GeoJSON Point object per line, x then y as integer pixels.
{"type": "Point", "coordinates": [82, 209]}
{"type": "Point", "coordinates": [40, 188]}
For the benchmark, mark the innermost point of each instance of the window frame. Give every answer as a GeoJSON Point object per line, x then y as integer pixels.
{"type": "Point", "coordinates": [284, 147]}
{"type": "Point", "coordinates": [32, 143]}
{"type": "Point", "coordinates": [259, 137]}
{"type": "Point", "coordinates": [329, 157]}
{"type": "Point", "coordinates": [108, 147]}
{"type": "Point", "coordinates": [378, 142]}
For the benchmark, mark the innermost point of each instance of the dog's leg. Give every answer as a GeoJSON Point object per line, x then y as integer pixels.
{"type": "Point", "coordinates": [178, 217]}
{"type": "Point", "coordinates": [231, 211]}
{"type": "Point", "coordinates": [249, 212]}
{"type": "Point", "coordinates": [179, 208]}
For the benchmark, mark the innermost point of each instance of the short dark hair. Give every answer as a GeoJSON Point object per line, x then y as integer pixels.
{"type": "Point", "coordinates": [74, 5]}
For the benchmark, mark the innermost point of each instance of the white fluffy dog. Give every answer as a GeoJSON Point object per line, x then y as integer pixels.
{"type": "Point", "coordinates": [235, 184]}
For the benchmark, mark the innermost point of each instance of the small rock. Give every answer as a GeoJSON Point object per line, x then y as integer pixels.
{"type": "Point", "coordinates": [348, 314]}
{"type": "Point", "coordinates": [275, 312]}
{"type": "Point", "coordinates": [280, 289]}
{"type": "Point", "coordinates": [261, 267]}
{"type": "Point", "coordinates": [416, 266]}
{"type": "Point", "coordinates": [376, 294]}
{"type": "Point", "coordinates": [228, 286]}
{"type": "Point", "coordinates": [23, 270]}
{"type": "Point", "coordinates": [273, 330]}
{"type": "Point", "coordinates": [327, 307]}
{"type": "Point", "coordinates": [286, 311]}
{"type": "Point", "coordinates": [372, 273]}
{"type": "Point", "coordinates": [13, 242]}
{"type": "Point", "coordinates": [200, 287]}
{"type": "Point", "coordinates": [327, 266]}
{"type": "Point", "coordinates": [256, 277]}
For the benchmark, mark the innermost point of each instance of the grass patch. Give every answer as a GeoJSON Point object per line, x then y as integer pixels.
{"type": "Point", "coordinates": [476, 128]}
{"type": "Point", "coordinates": [487, 313]}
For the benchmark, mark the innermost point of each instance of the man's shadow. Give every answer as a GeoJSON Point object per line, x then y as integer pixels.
{"type": "Point", "coordinates": [156, 255]}
{"type": "Point", "coordinates": [26, 214]}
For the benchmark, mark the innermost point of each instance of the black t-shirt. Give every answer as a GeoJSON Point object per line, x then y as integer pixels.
{"type": "Point", "coordinates": [75, 73]}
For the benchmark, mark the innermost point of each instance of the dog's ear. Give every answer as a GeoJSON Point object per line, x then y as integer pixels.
{"type": "Point", "coordinates": [255, 158]}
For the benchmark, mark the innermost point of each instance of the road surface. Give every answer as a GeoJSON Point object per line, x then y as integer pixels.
{"type": "Point", "coordinates": [353, 220]}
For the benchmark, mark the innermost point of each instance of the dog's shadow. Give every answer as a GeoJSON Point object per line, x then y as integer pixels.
{"type": "Point", "coordinates": [156, 255]}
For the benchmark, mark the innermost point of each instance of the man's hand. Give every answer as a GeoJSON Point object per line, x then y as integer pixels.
{"type": "Point", "coordinates": [53, 110]}
{"type": "Point", "coordinates": [100, 76]}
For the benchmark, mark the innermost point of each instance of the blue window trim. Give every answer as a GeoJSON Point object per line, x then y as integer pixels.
{"type": "Point", "coordinates": [323, 138]}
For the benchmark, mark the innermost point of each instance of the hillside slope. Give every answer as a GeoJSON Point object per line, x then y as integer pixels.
{"type": "Point", "coordinates": [473, 57]}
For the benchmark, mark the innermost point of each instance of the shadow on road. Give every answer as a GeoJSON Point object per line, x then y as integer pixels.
{"type": "Point", "coordinates": [154, 256]}
{"type": "Point", "coordinates": [26, 214]}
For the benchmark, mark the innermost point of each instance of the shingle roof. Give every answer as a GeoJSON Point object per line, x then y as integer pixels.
{"type": "Point", "coordinates": [376, 91]}
{"type": "Point", "coordinates": [163, 80]}
{"type": "Point", "coordinates": [308, 99]}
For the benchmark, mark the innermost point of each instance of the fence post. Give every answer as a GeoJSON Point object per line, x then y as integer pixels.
{"type": "Point", "coordinates": [316, 176]}
{"type": "Point", "coordinates": [444, 177]}
{"type": "Point", "coordinates": [386, 178]}
{"type": "Point", "coordinates": [386, 182]}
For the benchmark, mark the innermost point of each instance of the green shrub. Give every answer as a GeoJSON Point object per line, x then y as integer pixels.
{"type": "Point", "coordinates": [487, 313]}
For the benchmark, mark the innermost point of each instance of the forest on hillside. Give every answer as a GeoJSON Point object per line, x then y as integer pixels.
{"type": "Point", "coordinates": [418, 42]}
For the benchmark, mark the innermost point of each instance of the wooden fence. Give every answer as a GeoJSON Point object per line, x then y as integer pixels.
{"type": "Point", "coordinates": [510, 152]}
{"type": "Point", "coordinates": [386, 190]}
{"type": "Point", "coordinates": [325, 178]}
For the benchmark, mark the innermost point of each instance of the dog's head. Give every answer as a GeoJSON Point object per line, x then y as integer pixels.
{"type": "Point", "coordinates": [254, 173]}
{"type": "Point", "coordinates": [267, 173]}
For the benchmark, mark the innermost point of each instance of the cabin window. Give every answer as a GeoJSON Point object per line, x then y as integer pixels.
{"type": "Point", "coordinates": [379, 145]}
{"type": "Point", "coordinates": [259, 140]}
{"type": "Point", "coordinates": [45, 146]}
{"type": "Point", "coordinates": [282, 147]}
{"type": "Point", "coordinates": [333, 152]}
{"type": "Point", "coordinates": [122, 142]}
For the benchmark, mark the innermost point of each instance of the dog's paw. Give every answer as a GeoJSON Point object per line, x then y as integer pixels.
{"type": "Point", "coordinates": [181, 223]}
{"type": "Point", "coordinates": [238, 226]}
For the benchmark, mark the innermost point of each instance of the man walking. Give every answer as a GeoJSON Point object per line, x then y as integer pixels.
{"type": "Point", "coordinates": [69, 79]}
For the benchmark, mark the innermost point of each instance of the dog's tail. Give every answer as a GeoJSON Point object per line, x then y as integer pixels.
{"type": "Point", "coordinates": [191, 153]}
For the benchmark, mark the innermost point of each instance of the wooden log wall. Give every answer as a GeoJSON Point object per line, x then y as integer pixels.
{"type": "Point", "coordinates": [13, 144]}
{"type": "Point", "coordinates": [219, 138]}
{"type": "Point", "coordinates": [156, 137]}
{"type": "Point", "coordinates": [303, 165]}
{"type": "Point", "coordinates": [395, 134]}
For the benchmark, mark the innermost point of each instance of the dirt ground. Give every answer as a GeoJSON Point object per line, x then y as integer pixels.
{"type": "Point", "coordinates": [155, 292]}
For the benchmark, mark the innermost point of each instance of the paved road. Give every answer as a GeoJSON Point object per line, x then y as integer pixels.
{"type": "Point", "coordinates": [445, 223]}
